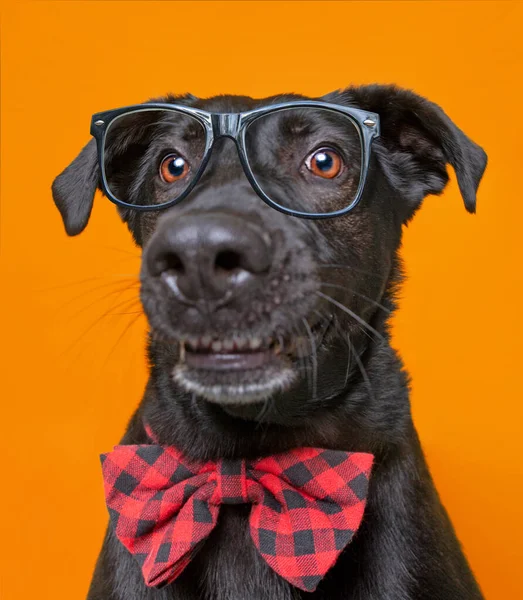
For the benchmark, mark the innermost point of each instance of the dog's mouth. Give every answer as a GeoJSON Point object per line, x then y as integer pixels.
{"type": "Point", "coordinates": [244, 369]}
{"type": "Point", "coordinates": [232, 354]}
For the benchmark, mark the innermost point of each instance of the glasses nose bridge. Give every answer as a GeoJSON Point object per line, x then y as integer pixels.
{"type": "Point", "coordinates": [226, 125]}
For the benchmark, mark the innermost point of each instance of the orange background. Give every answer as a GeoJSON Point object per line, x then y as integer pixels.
{"type": "Point", "coordinates": [72, 353]}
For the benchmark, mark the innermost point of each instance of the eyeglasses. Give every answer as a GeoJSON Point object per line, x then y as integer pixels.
{"type": "Point", "coordinates": [306, 158]}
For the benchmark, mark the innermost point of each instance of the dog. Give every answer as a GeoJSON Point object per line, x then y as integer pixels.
{"type": "Point", "coordinates": [269, 332]}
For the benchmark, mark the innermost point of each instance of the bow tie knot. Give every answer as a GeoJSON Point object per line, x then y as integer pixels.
{"type": "Point", "coordinates": [231, 483]}
{"type": "Point", "coordinates": [306, 506]}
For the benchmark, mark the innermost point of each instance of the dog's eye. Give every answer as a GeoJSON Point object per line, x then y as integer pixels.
{"type": "Point", "coordinates": [325, 162]}
{"type": "Point", "coordinates": [173, 168]}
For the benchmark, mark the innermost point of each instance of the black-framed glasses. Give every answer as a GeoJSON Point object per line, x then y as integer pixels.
{"type": "Point", "coordinates": [305, 158]}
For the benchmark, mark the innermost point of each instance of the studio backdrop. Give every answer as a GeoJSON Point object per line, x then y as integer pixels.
{"type": "Point", "coordinates": [72, 351]}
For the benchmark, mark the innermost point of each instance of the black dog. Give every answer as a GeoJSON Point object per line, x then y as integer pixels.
{"type": "Point", "coordinates": [312, 298]}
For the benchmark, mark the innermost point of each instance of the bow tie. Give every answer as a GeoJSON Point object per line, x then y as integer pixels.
{"type": "Point", "coordinates": [306, 506]}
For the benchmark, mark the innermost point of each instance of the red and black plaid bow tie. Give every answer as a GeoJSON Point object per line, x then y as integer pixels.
{"type": "Point", "coordinates": [307, 505]}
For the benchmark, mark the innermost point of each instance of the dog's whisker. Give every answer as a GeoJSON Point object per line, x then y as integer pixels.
{"type": "Point", "coordinates": [362, 369]}
{"type": "Point", "coordinates": [323, 316]}
{"type": "Point", "coordinates": [350, 312]}
{"type": "Point", "coordinates": [127, 307]}
{"type": "Point", "coordinates": [266, 406]}
{"type": "Point", "coordinates": [93, 325]}
{"type": "Point", "coordinates": [261, 414]}
{"type": "Point", "coordinates": [134, 312]}
{"type": "Point", "coordinates": [118, 304]}
{"type": "Point", "coordinates": [342, 335]}
{"type": "Point", "coordinates": [120, 338]}
{"type": "Point", "coordinates": [359, 294]}
{"type": "Point", "coordinates": [80, 282]}
{"type": "Point", "coordinates": [303, 363]}
{"type": "Point", "coordinates": [128, 285]}
{"type": "Point", "coordinates": [349, 353]}
{"type": "Point", "coordinates": [129, 304]}
{"type": "Point", "coordinates": [366, 333]}
{"type": "Point", "coordinates": [314, 359]}
{"type": "Point", "coordinates": [349, 362]}
{"type": "Point", "coordinates": [130, 276]}
{"type": "Point", "coordinates": [118, 293]}
{"type": "Point", "coordinates": [348, 268]}
{"type": "Point", "coordinates": [123, 251]}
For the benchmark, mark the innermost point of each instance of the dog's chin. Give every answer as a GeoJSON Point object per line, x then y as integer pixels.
{"type": "Point", "coordinates": [229, 375]}
{"type": "Point", "coordinates": [235, 388]}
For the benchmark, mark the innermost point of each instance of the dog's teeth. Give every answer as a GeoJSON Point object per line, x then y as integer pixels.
{"type": "Point", "coordinates": [205, 341]}
{"type": "Point", "coordinates": [228, 344]}
{"type": "Point", "coordinates": [216, 346]}
{"type": "Point", "coordinates": [255, 343]}
{"type": "Point", "coordinates": [240, 343]}
{"type": "Point", "coordinates": [192, 342]}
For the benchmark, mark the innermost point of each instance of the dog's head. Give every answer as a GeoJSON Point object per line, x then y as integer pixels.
{"type": "Point", "coordinates": [248, 303]}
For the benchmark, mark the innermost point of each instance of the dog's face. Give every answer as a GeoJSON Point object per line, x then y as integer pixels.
{"type": "Point", "coordinates": [246, 303]}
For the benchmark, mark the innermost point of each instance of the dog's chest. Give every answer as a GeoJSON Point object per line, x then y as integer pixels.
{"type": "Point", "coordinates": [229, 566]}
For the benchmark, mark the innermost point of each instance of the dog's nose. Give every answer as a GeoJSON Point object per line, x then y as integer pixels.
{"type": "Point", "coordinates": [209, 257]}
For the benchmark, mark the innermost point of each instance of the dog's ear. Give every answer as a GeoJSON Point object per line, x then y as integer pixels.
{"type": "Point", "coordinates": [73, 190]}
{"type": "Point", "coordinates": [417, 141]}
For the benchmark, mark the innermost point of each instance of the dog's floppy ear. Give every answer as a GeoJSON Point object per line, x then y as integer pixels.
{"type": "Point", "coordinates": [73, 190]}
{"type": "Point", "coordinates": [417, 141]}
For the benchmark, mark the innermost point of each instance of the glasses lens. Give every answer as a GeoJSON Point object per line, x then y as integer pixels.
{"type": "Point", "coordinates": [306, 159]}
{"type": "Point", "coordinates": [151, 156]}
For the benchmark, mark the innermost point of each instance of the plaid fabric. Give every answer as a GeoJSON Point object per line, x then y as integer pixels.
{"type": "Point", "coordinates": [306, 506]}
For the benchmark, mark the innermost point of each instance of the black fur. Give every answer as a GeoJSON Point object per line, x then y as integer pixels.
{"type": "Point", "coordinates": [406, 548]}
